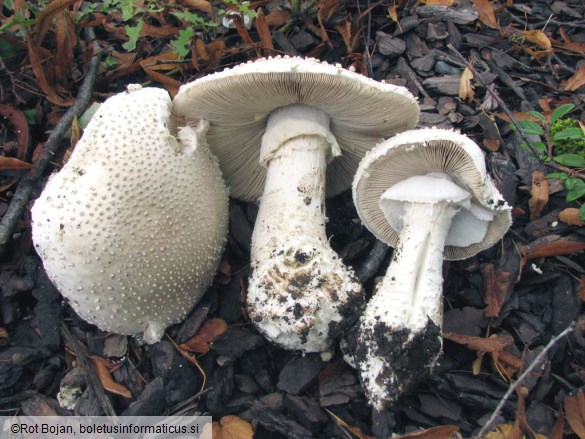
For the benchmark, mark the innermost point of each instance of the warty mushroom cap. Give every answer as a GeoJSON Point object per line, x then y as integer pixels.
{"type": "Point", "coordinates": [238, 101]}
{"type": "Point", "coordinates": [427, 151]}
{"type": "Point", "coordinates": [132, 228]}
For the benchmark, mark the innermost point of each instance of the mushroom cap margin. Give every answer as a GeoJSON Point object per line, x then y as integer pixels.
{"type": "Point", "coordinates": [419, 152]}
{"type": "Point", "coordinates": [237, 103]}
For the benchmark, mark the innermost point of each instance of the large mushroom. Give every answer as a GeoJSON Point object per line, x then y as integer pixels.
{"type": "Point", "coordinates": [275, 124]}
{"type": "Point", "coordinates": [132, 228]}
{"type": "Point", "coordinates": [427, 194]}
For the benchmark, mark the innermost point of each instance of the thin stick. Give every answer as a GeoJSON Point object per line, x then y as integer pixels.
{"type": "Point", "coordinates": [92, 378]}
{"type": "Point", "coordinates": [514, 121]}
{"type": "Point", "coordinates": [489, 424]}
{"type": "Point", "coordinates": [30, 182]}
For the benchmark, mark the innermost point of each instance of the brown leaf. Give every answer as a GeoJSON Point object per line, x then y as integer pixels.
{"type": "Point", "coordinates": [441, 432]}
{"type": "Point", "coordinates": [326, 8]}
{"type": "Point", "coordinates": [576, 81]}
{"type": "Point", "coordinates": [224, 272]}
{"type": "Point", "coordinates": [264, 31]}
{"type": "Point", "coordinates": [581, 288]}
{"type": "Point", "coordinates": [107, 380]}
{"type": "Point", "coordinates": [12, 164]}
{"type": "Point", "coordinates": [211, 431]}
{"type": "Point", "coordinates": [570, 216]}
{"type": "Point", "coordinates": [278, 17]}
{"type": "Point", "coordinates": [393, 14]}
{"type": "Point", "coordinates": [491, 144]}
{"type": "Point", "coordinates": [570, 45]}
{"type": "Point", "coordinates": [495, 286]}
{"type": "Point", "coordinates": [37, 68]}
{"type": "Point", "coordinates": [494, 343]}
{"type": "Point", "coordinates": [466, 88]}
{"type": "Point", "coordinates": [538, 37]}
{"type": "Point", "coordinates": [44, 18]}
{"type": "Point", "coordinates": [486, 13]}
{"type": "Point", "coordinates": [4, 338]}
{"type": "Point", "coordinates": [65, 40]}
{"type": "Point", "coordinates": [200, 5]}
{"type": "Point", "coordinates": [155, 64]}
{"type": "Point", "coordinates": [233, 427]}
{"type": "Point", "coordinates": [552, 245]}
{"type": "Point", "coordinates": [344, 425]}
{"type": "Point", "coordinates": [539, 194]}
{"type": "Point", "coordinates": [19, 125]}
{"type": "Point", "coordinates": [201, 342]}
{"type": "Point", "coordinates": [574, 406]}
{"type": "Point", "coordinates": [557, 431]}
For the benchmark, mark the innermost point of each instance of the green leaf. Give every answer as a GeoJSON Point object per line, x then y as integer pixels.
{"type": "Point", "coordinates": [183, 42]}
{"type": "Point", "coordinates": [569, 133]}
{"type": "Point", "coordinates": [531, 127]}
{"type": "Point", "coordinates": [582, 213]}
{"type": "Point", "coordinates": [133, 33]}
{"type": "Point", "coordinates": [573, 160]}
{"type": "Point", "coordinates": [577, 191]}
{"type": "Point", "coordinates": [127, 8]}
{"type": "Point", "coordinates": [560, 112]}
{"type": "Point", "coordinates": [538, 115]}
{"type": "Point", "coordinates": [539, 146]}
{"type": "Point", "coordinates": [559, 175]}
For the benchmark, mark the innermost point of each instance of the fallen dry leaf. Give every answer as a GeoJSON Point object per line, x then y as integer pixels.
{"type": "Point", "coordinates": [552, 245]}
{"type": "Point", "coordinates": [494, 343]}
{"type": "Point", "coordinates": [442, 432]}
{"type": "Point", "coordinates": [486, 13]}
{"type": "Point", "coordinates": [538, 37]}
{"type": "Point", "coordinates": [466, 88]}
{"type": "Point", "coordinates": [278, 17]}
{"type": "Point", "coordinates": [496, 283]}
{"type": "Point", "coordinates": [264, 31]}
{"type": "Point", "coordinates": [326, 7]}
{"type": "Point", "coordinates": [201, 342]}
{"type": "Point", "coordinates": [200, 5]}
{"type": "Point", "coordinates": [576, 81]}
{"type": "Point", "coordinates": [574, 406]}
{"type": "Point", "coordinates": [503, 431]}
{"type": "Point", "coordinates": [572, 46]}
{"type": "Point", "coordinates": [559, 427]}
{"type": "Point", "coordinates": [491, 144]}
{"type": "Point", "coordinates": [154, 65]}
{"type": "Point", "coordinates": [233, 427]}
{"type": "Point", "coordinates": [539, 194]}
{"type": "Point", "coordinates": [17, 119]}
{"type": "Point", "coordinates": [107, 380]}
{"type": "Point", "coordinates": [10, 163]}
{"type": "Point", "coordinates": [581, 288]}
{"type": "Point", "coordinates": [4, 338]}
{"type": "Point", "coordinates": [570, 216]}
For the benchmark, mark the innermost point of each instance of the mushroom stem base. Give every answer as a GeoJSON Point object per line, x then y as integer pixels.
{"type": "Point", "coordinates": [300, 295]}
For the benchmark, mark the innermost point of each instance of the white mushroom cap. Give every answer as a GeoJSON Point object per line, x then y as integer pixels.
{"type": "Point", "coordinates": [420, 152]}
{"type": "Point", "coordinates": [132, 228]}
{"type": "Point", "coordinates": [238, 101]}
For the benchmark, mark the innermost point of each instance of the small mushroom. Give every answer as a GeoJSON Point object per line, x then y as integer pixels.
{"type": "Point", "coordinates": [427, 194]}
{"type": "Point", "coordinates": [132, 228]}
{"type": "Point", "coordinates": [278, 127]}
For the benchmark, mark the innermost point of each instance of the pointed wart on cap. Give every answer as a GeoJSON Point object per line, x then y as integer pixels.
{"type": "Point", "coordinates": [132, 228]}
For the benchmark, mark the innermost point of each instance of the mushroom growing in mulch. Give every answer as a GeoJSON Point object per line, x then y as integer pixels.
{"type": "Point", "coordinates": [427, 194]}
{"type": "Point", "coordinates": [290, 131]}
{"type": "Point", "coordinates": [132, 228]}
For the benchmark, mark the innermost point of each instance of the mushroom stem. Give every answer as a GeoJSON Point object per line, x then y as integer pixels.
{"type": "Point", "coordinates": [300, 293]}
{"type": "Point", "coordinates": [414, 280]}
{"type": "Point", "coordinates": [399, 335]}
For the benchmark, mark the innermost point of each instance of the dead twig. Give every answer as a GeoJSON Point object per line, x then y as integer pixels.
{"type": "Point", "coordinates": [537, 361]}
{"type": "Point", "coordinates": [92, 378]}
{"type": "Point", "coordinates": [372, 263]}
{"type": "Point", "coordinates": [30, 182]}
{"type": "Point", "coordinates": [514, 121]}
